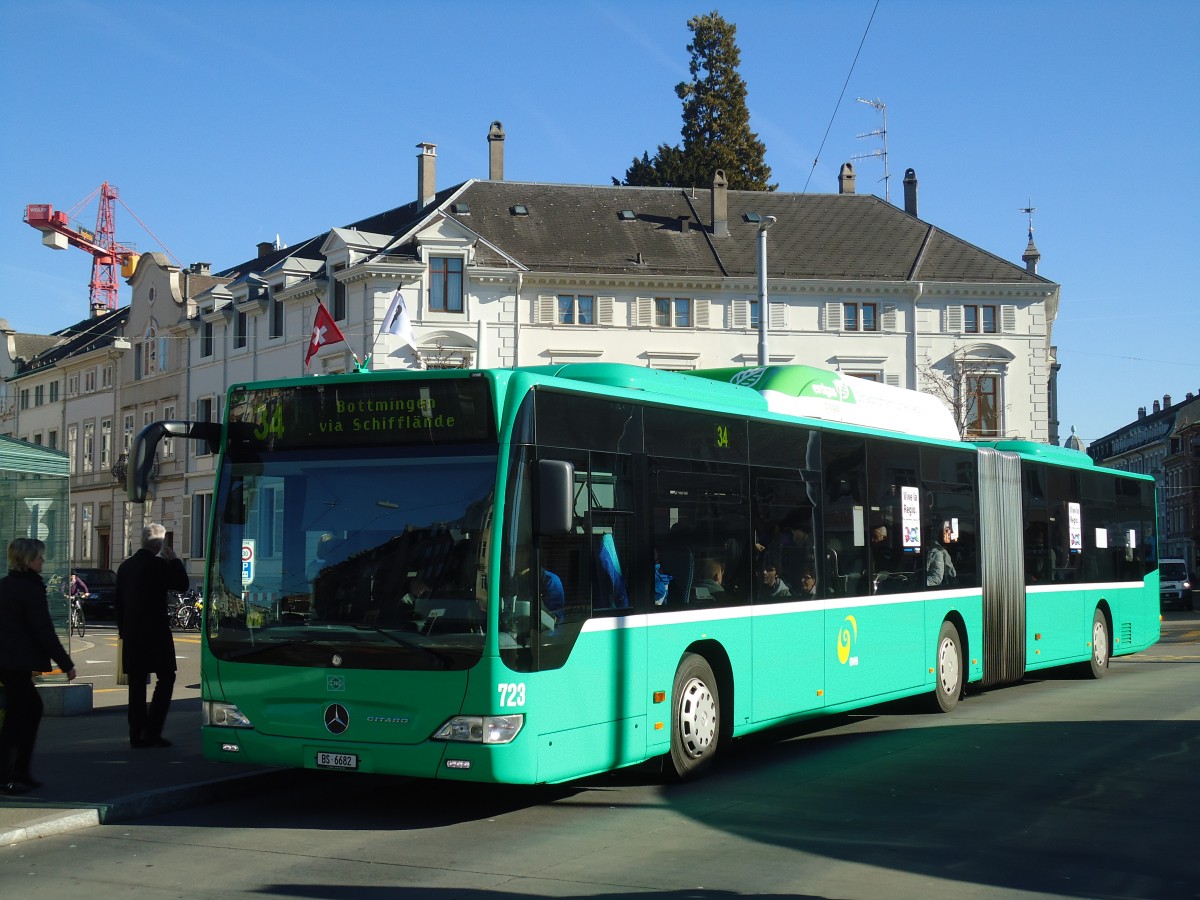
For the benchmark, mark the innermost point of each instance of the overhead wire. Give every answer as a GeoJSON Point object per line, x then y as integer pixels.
{"type": "Point", "coordinates": [837, 105]}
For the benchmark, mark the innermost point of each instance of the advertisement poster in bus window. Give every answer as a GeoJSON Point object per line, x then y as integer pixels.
{"type": "Point", "coordinates": [1075, 525]}
{"type": "Point", "coordinates": [910, 515]}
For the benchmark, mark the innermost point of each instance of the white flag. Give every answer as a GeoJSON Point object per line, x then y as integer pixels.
{"type": "Point", "coordinates": [396, 321]}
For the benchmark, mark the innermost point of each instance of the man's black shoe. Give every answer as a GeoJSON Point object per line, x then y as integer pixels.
{"type": "Point", "coordinates": [28, 780]}
{"type": "Point", "coordinates": [138, 744]}
{"type": "Point", "coordinates": [13, 788]}
{"type": "Point", "coordinates": [157, 742]}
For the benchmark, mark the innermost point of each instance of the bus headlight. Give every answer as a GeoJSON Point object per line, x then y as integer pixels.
{"type": "Point", "coordinates": [480, 729]}
{"type": "Point", "coordinates": [224, 715]}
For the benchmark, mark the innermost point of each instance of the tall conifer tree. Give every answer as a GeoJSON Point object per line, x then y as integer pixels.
{"type": "Point", "coordinates": [716, 122]}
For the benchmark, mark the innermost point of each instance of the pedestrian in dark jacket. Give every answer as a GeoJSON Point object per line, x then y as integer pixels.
{"type": "Point", "coordinates": [144, 625]}
{"type": "Point", "coordinates": [27, 644]}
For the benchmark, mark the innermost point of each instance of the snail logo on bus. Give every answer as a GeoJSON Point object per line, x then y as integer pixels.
{"type": "Point", "coordinates": [847, 638]}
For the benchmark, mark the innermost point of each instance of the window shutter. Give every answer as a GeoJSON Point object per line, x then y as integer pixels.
{"type": "Point", "coordinates": [893, 380]}
{"type": "Point", "coordinates": [739, 314]}
{"type": "Point", "coordinates": [547, 310]}
{"type": "Point", "coordinates": [702, 313]}
{"type": "Point", "coordinates": [1008, 318]}
{"type": "Point", "coordinates": [604, 310]}
{"type": "Point", "coordinates": [833, 316]}
{"type": "Point", "coordinates": [889, 318]}
{"type": "Point", "coordinates": [954, 318]}
{"type": "Point", "coordinates": [644, 312]}
{"type": "Point", "coordinates": [776, 315]}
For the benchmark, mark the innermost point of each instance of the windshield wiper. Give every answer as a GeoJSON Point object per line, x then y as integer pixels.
{"type": "Point", "coordinates": [395, 638]}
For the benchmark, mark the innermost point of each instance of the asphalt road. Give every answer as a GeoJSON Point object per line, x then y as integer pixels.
{"type": "Point", "coordinates": [1055, 787]}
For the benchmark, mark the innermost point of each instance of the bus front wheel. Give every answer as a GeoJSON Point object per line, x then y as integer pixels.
{"type": "Point", "coordinates": [696, 717]}
{"type": "Point", "coordinates": [949, 673]}
{"type": "Point", "coordinates": [1101, 646]}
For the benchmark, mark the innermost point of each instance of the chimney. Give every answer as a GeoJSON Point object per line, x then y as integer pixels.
{"type": "Point", "coordinates": [1141, 412]}
{"type": "Point", "coordinates": [910, 192]}
{"type": "Point", "coordinates": [683, 224]}
{"type": "Point", "coordinates": [846, 179]}
{"type": "Point", "coordinates": [201, 268]}
{"type": "Point", "coordinates": [496, 152]}
{"type": "Point", "coordinates": [720, 204]}
{"type": "Point", "coordinates": [426, 182]}
{"type": "Point", "coordinates": [1166, 400]}
{"type": "Point", "coordinates": [265, 247]}
{"type": "Point", "coordinates": [1156, 406]}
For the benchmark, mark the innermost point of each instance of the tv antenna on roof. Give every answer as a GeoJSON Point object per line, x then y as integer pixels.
{"type": "Point", "coordinates": [880, 133]}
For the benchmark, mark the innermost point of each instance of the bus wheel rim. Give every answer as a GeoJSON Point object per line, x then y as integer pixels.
{"type": "Point", "coordinates": [1100, 642]}
{"type": "Point", "coordinates": [697, 718]}
{"type": "Point", "coordinates": [948, 673]}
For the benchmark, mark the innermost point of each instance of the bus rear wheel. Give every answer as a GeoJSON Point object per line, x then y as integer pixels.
{"type": "Point", "coordinates": [1101, 646]}
{"type": "Point", "coordinates": [695, 717]}
{"type": "Point", "coordinates": [949, 672]}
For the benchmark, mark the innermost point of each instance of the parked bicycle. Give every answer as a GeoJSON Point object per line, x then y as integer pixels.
{"type": "Point", "coordinates": [78, 624]}
{"type": "Point", "coordinates": [186, 609]}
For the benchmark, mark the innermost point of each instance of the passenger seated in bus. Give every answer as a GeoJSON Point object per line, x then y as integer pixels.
{"type": "Point", "coordinates": [712, 576]}
{"type": "Point", "coordinates": [1039, 559]}
{"type": "Point", "coordinates": [770, 584]}
{"type": "Point", "coordinates": [808, 585]}
{"type": "Point", "coordinates": [939, 567]}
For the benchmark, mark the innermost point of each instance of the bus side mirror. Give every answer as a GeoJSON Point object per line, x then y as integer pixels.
{"type": "Point", "coordinates": [141, 453]}
{"type": "Point", "coordinates": [556, 497]}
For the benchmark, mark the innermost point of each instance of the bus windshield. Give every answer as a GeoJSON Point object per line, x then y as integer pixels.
{"type": "Point", "coordinates": [369, 558]}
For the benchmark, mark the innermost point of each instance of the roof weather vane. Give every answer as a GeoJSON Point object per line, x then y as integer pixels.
{"type": "Point", "coordinates": [1029, 211]}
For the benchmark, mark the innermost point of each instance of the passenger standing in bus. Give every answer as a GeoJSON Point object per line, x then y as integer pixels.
{"type": "Point", "coordinates": [939, 567]}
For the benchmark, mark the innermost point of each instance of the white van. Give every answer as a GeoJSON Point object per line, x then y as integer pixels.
{"type": "Point", "coordinates": [1174, 586]}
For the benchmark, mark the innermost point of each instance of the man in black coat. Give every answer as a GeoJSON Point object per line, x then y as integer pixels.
{"type": "Point", "coordinates": [144, 625]}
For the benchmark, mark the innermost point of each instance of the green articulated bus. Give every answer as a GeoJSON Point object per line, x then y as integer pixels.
{"type": "Point", "coordinates": [531, 575]}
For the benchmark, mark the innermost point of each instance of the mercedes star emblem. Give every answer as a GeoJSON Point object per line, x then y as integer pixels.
{"type": "Point", "coordinates": [337, 719]}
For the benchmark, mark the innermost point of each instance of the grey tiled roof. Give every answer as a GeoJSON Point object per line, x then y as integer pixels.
{"type": "Point", "coordinates": [822, 236]}
{"type": "Point", "coordinates": [577, 228]}
{"type": "Point", "coordinates": [86, 335]}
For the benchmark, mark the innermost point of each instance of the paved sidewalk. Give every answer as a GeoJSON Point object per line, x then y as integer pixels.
{"type": "Point", "coordinates": [91, 776]}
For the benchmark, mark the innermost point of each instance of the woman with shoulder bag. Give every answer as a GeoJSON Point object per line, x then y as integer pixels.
{"type": "Point", "coordinates": [27, 644]}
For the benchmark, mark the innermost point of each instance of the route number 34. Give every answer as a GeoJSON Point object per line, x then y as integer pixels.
{"type": "Point", "coordinates": [271, 426]}
{"type": "Point", "coordinates": [512, 694]}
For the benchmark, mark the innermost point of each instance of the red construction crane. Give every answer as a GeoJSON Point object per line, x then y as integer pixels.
{"type": "Point", "coordinates": [58, 231]}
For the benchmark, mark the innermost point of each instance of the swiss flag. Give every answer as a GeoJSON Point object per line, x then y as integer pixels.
{"type": "Point", "coordinates": [324, 331]}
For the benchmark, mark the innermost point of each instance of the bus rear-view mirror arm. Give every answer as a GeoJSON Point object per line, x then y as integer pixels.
{"type": "Point", "coordinates": [145, 445]}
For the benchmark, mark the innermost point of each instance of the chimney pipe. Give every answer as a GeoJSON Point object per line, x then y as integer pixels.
{"type": "Point", "coordinates": [1141, 412]}
{"type": "Point", "coordinates": [265, 247]}
{"type": "Point", "coordinates": [496, 152]}
{"type": "Point", "coordinates": [1156, 406]}
{"type": "Point", "coordinates": [1166, 400]}
{"type": "Point", "coordinates": [846, 179]}
{"type": "Point", "coordinates": [426, 182]}
{"type": "Point", "coordinates": [720, 204]}
{"type": "Point", "coordinates": [910, 192]}
{"type": "Point", "coordinates": [683, 224]}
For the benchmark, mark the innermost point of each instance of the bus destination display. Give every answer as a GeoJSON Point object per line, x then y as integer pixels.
{"type": "Point", "coordinates": [394, 413]}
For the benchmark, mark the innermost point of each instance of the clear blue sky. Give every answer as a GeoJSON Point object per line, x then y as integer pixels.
{"type": "Point", "coordinates": [226, 123]}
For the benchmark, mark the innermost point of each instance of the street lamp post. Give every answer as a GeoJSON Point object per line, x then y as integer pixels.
{"type": "Point", "coordinates": [766, 223]}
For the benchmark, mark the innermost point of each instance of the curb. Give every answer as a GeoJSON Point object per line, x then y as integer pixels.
{"type": "Point", "coordinates": [146, 803]}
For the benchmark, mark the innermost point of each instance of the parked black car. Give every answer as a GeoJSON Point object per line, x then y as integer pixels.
{"type": "Point", "coordinates": [100, 602]}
